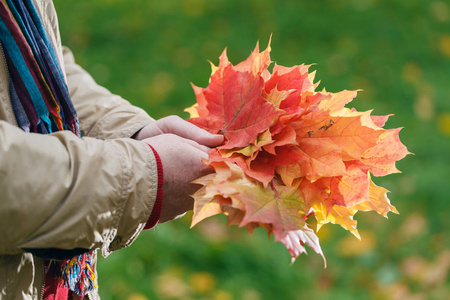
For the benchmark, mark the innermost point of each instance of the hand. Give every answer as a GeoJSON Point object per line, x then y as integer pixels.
{"type": "Point", "coordinates": [182, 163]}
{"type": "Point", "coordinates": [182, 128]}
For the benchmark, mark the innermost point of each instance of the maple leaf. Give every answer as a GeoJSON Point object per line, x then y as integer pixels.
{"type": "Point", "coordinates": [235, 104]}
{"type": "Point", "coordinates": [281, 206]}
{"type": "Point", "coordinates": [378, 201]}
{"type": "Point", "coordinates": [336, 214]}
{"type": "Point", "coordinates": [337, 199]}
{"type": "Point", "coordinates": [257, 62]}
{"type": "Point", "coordinates": [296, 239]}
{"type": "Point", "coordinates": [352, 188]}
{"type": "Point", "coordinates": [218, 190]}
{"type": "Point", "coordinates": [382, 157]}
{"type": "Point", "coordinates": [290, 151]}
{"type": "Point", "coordinates": [275, 96]}
{"type": "Point", "coordinates": [337, 100]}
{"type": "Point", "coordinates": [295, 81]}
{"type": "Point", "coordinates": [347, 133]}
{"type": "Point", "coordinates": [315, 159]}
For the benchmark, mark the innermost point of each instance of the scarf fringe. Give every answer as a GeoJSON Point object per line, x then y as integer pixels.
{"type": "Point", "coordinates": [77, 274]}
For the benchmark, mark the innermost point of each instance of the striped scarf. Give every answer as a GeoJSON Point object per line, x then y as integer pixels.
{"type": "Point", "coordinates": [38, 91]}
{"type": "Point", "coordinates": [40, 101]}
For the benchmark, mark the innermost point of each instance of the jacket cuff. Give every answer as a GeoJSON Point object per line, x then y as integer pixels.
{"type": "Point", "coordinates": [157, 207]}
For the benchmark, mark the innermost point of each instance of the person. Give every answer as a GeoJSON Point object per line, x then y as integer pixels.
{"type": "Point", "coordinates": [80, 168]}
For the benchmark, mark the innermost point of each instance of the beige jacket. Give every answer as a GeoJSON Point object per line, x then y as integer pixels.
{"type": "Point", "coordinates": [60, 191]}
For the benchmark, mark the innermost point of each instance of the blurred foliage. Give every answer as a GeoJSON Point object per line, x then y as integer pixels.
{"type": "Point", "coordinates": [396, 51]}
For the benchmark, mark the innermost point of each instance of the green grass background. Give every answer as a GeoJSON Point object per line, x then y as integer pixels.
{"type": "Point", "coordinates": [397, 51]}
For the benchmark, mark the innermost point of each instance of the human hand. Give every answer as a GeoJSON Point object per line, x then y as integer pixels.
{"type": "Point", "coordinates": [181, 160]}
{"type": "Point", "coordinates": [178, 126]}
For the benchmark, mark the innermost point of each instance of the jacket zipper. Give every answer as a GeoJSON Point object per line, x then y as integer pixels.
{"type": "Point", "coordinates": [43, 280]}
{"type": "Point", "coordinates": [9, 78]}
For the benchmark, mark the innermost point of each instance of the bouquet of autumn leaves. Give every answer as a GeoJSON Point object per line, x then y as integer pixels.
{"type": "Point", "coordinates": [290, 152]}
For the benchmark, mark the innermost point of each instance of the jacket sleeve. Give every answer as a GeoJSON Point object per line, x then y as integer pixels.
{"type": "Point", "coordinates": [102, 114]}
{"type": "Point", "coordinates": [62, 191]}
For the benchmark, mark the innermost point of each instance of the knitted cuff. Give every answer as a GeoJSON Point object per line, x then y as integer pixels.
{"type": "Point", "coordinates": [157, 207]}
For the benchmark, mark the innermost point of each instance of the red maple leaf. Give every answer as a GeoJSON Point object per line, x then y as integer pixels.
{"type": "Point", "coordinates": [234, 101]}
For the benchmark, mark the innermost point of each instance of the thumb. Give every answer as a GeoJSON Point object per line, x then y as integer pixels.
{"type": "Point", "coordinates": [182, 128]}
{"type": "Point", "coordinates": [203, 137]}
